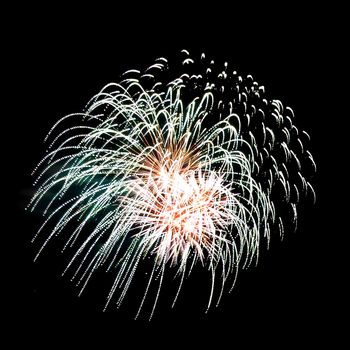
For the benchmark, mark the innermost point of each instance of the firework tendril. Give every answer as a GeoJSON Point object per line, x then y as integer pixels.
{"type": "Point", "coordinates": [195, 168]}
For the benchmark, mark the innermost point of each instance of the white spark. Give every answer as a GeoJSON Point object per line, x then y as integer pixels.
{"type": "Point", "coordinates": [156, 183]}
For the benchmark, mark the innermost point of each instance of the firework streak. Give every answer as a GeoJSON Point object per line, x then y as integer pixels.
{"type": "Point", "coordinates": [196, 168]}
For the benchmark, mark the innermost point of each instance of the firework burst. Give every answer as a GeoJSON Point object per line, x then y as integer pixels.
{"type": "Point", "coordinates": [195, 168]}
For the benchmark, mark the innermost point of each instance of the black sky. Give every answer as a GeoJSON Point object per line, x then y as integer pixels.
{"type": "Point", "coordinates": [63, 57]}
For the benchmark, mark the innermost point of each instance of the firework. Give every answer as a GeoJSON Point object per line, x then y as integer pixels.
{"type": "Point", "coordinates": [196, 168]}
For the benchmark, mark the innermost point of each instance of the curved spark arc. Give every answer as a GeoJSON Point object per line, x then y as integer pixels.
{"type": "Point", "coordinates": [157, 183]}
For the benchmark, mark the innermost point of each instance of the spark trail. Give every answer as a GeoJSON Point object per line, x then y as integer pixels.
{"type": "Point", "coordinates": [180, 168]}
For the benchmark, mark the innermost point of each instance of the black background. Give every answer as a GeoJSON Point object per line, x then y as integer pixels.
{"type": "Point", "coordinates": [64, 56]}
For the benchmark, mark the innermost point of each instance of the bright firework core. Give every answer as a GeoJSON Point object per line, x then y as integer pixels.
{"type": "Point", "coordinates": [200, 168]}
{"type": "Point", "coordinates": [189, 209]}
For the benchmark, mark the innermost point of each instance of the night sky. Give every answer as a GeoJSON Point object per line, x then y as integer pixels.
{"type": "Point", "coordinates": [63, 59]}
